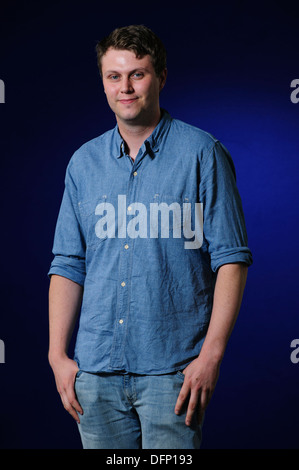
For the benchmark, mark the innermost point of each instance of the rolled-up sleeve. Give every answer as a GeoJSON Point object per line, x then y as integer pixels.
{"type": "Point", "coordinates": [69, 244]}
{"type": "Point", "coordinates": [224, 223]}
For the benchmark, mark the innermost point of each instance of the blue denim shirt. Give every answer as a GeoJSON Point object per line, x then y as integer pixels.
{"type": "Point", "coordinates": [145, 238]}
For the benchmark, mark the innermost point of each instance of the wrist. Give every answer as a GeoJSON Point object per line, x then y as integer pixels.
{"type": "Point", "coordinates": [213, 350]}
{"type": "Point", "coordinates": [55, 357]}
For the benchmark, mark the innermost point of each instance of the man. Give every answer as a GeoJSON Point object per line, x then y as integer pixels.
{"type": "Point", "coordinates": [151, 250]}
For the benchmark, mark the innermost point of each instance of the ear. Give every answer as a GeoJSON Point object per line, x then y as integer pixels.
{"type": "Point", "coordinates": [163, 79]}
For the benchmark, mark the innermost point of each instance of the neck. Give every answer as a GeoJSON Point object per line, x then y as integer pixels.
{"type": "Point", "coordinates": [135, 134]}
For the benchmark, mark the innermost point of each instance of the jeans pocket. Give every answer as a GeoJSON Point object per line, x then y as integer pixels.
{"type": "Point", "coordinates": [78, 374]}
{"type": "Point", "coordinates": [180, 375]}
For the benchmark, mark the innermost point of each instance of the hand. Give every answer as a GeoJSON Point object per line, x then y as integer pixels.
{"type": "Point", "coordinates": [65, 371]}
{"type": "Point", "coordinates": [201, 376]}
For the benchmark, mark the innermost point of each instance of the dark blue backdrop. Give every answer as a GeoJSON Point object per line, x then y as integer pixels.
{"type": "Point", "coordinates": [230, 65]}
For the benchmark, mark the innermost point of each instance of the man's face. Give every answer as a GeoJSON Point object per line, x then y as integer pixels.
{"type": "Point", "coordinates": [132, 87]}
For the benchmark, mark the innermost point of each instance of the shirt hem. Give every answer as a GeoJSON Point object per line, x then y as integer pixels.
{"type": "Point", "coordinates": [107, 370]}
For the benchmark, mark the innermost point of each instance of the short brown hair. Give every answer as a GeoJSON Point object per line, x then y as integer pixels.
{"type": "Point", "coordinates": [138, 39]}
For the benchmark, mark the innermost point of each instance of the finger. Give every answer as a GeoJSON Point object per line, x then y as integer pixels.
{"type": "Point", "coordinates": [192, 406]}
{"type": "Point", "coordinates": [68, 407]}
{"type": "Point", "coordinates": [202, 405]}
{"type": "Point", "coordinates": [182, 397]}
{"type": "Point", "coordinates": [71, 405]}
{"type": "Point", "coordinates": [73, 400]}
{"type": "Point", "coordinates": [76, 405]}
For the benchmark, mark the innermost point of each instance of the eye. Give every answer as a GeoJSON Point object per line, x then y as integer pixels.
{"type": "Point", "coordinates": [137, 75]}
{"type": "Point", "coordinates": [113, 77]}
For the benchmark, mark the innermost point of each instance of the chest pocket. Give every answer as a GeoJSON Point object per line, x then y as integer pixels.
{"type": "Point", "coordinates": [97, 220]}
{"type": "Point", "coordinates": [177, 217]}
{"type": "Point", "coordinates": [166, 216]}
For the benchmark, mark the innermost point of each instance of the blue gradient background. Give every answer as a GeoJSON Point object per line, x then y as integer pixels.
{"type": "Point", "coordinates": [230, 65]}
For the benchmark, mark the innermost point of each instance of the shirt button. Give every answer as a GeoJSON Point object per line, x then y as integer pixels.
{"type": "Point", "coordinates": [135, 173]}
{"type": "Point", "coordinates": [126, 247]}
{"type": "Point", "coordinates": [121, 321]}
{"type": "Point", "coordinates": [129, 208]}
{"type": "Point", "coordinates": [123, 284]}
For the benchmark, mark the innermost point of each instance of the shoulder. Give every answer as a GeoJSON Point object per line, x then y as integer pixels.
{"type": "Point", "coordinates": [192, 135]}
{"type": "Point", "coordinates": [195, 141]}
{"type": "Point", "coordinates": [91, 153]}
{"type": "Point", "coordinates": [96, 145]}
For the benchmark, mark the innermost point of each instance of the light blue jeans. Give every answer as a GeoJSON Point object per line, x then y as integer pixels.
{"type": "Point", "coordinates": [133, 412]}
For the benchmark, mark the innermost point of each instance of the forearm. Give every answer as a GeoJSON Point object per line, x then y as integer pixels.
{"type": "Point", "coordinates": [65, 297]}
{"type": "Point", "coordinates": [202, 373]}
{"type": "Point", "coordinates": [229, 288]}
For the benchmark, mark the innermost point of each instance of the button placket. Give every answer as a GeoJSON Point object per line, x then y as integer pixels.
{"type": "Point", "coordinates": [124, 291]}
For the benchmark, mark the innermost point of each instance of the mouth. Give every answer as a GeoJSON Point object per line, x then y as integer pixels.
{"type": "Point", "coordinates": [128, 101]}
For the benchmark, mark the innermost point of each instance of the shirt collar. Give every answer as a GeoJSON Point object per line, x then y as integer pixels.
{"type": "Point", "coordinates": [152, 142]}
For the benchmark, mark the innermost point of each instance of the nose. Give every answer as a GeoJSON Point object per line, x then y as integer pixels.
{"type": "Point", "coordinates": [126, 86]}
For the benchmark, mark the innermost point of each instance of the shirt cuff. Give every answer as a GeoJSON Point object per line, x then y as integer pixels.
{"type": "Point", "coordinates": [69, 267]}
{"type": "Point", "coordinates": [232, 255]}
